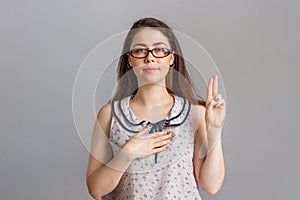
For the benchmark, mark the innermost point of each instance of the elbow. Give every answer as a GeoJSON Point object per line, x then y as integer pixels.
{"type": "Point", "coordinates": [99, 189]}
{"type": "Point", "coordinates": [96, 197]}
{"type": "Point", "coordinates": [211, 188]}
{"type": "Point", "coordinates": [94, 193]}
{"type": "Point", "coordinates": [212, 191]}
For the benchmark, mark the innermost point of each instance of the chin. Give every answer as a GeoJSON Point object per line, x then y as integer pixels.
{"type": "Point", "coordinates": [152, 81]}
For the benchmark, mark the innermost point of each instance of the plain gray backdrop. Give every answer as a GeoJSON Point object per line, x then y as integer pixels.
{"type": "Point", "coordinates": [255, 44]}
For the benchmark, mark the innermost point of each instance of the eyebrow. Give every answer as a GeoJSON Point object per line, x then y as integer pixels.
{"type": "Point", "coordinates": [154, 44]}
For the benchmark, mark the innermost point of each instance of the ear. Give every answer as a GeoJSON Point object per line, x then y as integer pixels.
{"type": "Point", "coordinates": [172, 59]}
{"type": "Point", "coordinates": [128, 59]}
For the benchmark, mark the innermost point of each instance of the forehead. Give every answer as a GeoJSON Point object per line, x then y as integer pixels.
{"type": "Point", "coordinates": [149, 36]}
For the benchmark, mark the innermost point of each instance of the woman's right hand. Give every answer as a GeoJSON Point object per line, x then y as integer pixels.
{"type": "Point", "coordinates": [144, 144]}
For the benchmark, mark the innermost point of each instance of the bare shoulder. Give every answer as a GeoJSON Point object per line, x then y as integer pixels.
{"type": "Point", "coordinates": [105, 111]}
{"type": "Point", "coordinates": [104, 117]}
{"type": "Point", "coordinates": [198, 115]}
{"type": "Point", "coordinates": [198, 109]}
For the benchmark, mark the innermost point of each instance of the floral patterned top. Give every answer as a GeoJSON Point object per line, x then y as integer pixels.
{"type": "Point", "coordinates": [166, 175]}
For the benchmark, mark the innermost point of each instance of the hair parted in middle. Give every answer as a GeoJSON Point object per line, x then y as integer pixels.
{"type": "Point", "coordinates": [178, 80]}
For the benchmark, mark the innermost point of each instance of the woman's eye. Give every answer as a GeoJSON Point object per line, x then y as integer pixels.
{"type": "Point", "coordinates": [139, 50]}
{"type": "Point", "coordinates": [159, 49]}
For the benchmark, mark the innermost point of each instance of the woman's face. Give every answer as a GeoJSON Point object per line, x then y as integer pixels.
{"type": "Point", "coordinates": [150, 69]}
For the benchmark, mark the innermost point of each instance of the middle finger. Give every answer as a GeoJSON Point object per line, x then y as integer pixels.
{"type": "Point", "coordinates": [215, 86]}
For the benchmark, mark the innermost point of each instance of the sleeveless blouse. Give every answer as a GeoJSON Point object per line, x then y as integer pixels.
{"type": "Point", "coordinates": [166, 175]}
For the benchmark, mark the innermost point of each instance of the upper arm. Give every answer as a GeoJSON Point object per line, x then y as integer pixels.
{"type": "Point", "coordinates": [199, 140]}
{"type": "Point", "coordinates": [100, 151]}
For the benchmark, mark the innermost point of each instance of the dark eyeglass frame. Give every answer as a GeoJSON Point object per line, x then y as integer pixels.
{"type": "Point", "coordinates": [169, 51]}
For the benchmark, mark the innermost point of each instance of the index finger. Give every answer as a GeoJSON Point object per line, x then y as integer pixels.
{"type": "Point", "coordinates": [209, 89]}
{"type": "Point", "coordinates": [160, 133]}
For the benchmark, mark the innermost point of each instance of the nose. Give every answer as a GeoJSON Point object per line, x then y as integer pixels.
{"type": "Point", "coordinates": [149, 58]}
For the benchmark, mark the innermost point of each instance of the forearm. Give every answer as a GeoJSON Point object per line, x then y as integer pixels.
{"type": "Point", "coordinates": [213, 170]}
{"type": "Point", "coordinates": [105, 179]}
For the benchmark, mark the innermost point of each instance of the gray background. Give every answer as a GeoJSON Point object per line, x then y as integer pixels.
{"type": "Point", "coordinates": [42, 44]}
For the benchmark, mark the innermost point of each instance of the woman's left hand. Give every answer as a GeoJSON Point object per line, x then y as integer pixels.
{"type": "Point", "coordinates": [215, 105]}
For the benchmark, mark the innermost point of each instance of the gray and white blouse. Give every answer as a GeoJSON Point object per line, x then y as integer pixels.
{"type": "Point", "coordinates": [166, 175]}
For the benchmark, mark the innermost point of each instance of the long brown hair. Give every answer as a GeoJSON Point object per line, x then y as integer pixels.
{"type": "Point", "coordinates": [178, 80]}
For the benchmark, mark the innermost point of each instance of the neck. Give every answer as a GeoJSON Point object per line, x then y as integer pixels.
{"type": "Point", "coordinates": [152, 94]}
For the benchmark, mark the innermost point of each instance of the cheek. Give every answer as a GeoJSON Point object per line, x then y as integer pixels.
{"type": "Point", "coordinates": [135, 62]}
{"type": "Point", "coordinates": [165, 62]}
{"type": "Point", "coordinates": [165, 65]}
{"type": "Point", "coordinates": [165, 69]}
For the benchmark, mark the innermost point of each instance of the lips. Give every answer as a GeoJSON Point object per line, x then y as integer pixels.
{"type": "Point", "coordinates": [151, 69]}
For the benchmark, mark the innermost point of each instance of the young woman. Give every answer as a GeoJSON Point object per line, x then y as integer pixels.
{"type": "Point", "coordinates": [155, 139]}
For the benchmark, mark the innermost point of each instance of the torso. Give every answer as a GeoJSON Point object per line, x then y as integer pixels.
{"type": "Point", "coordinates": [172, 176]}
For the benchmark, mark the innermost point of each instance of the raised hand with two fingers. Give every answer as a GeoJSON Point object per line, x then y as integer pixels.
{"type": "Point", "coordinates": [215, 105]}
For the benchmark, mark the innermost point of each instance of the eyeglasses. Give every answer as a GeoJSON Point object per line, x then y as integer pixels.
{"type": "Point", "coordinates": [156, 52]}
